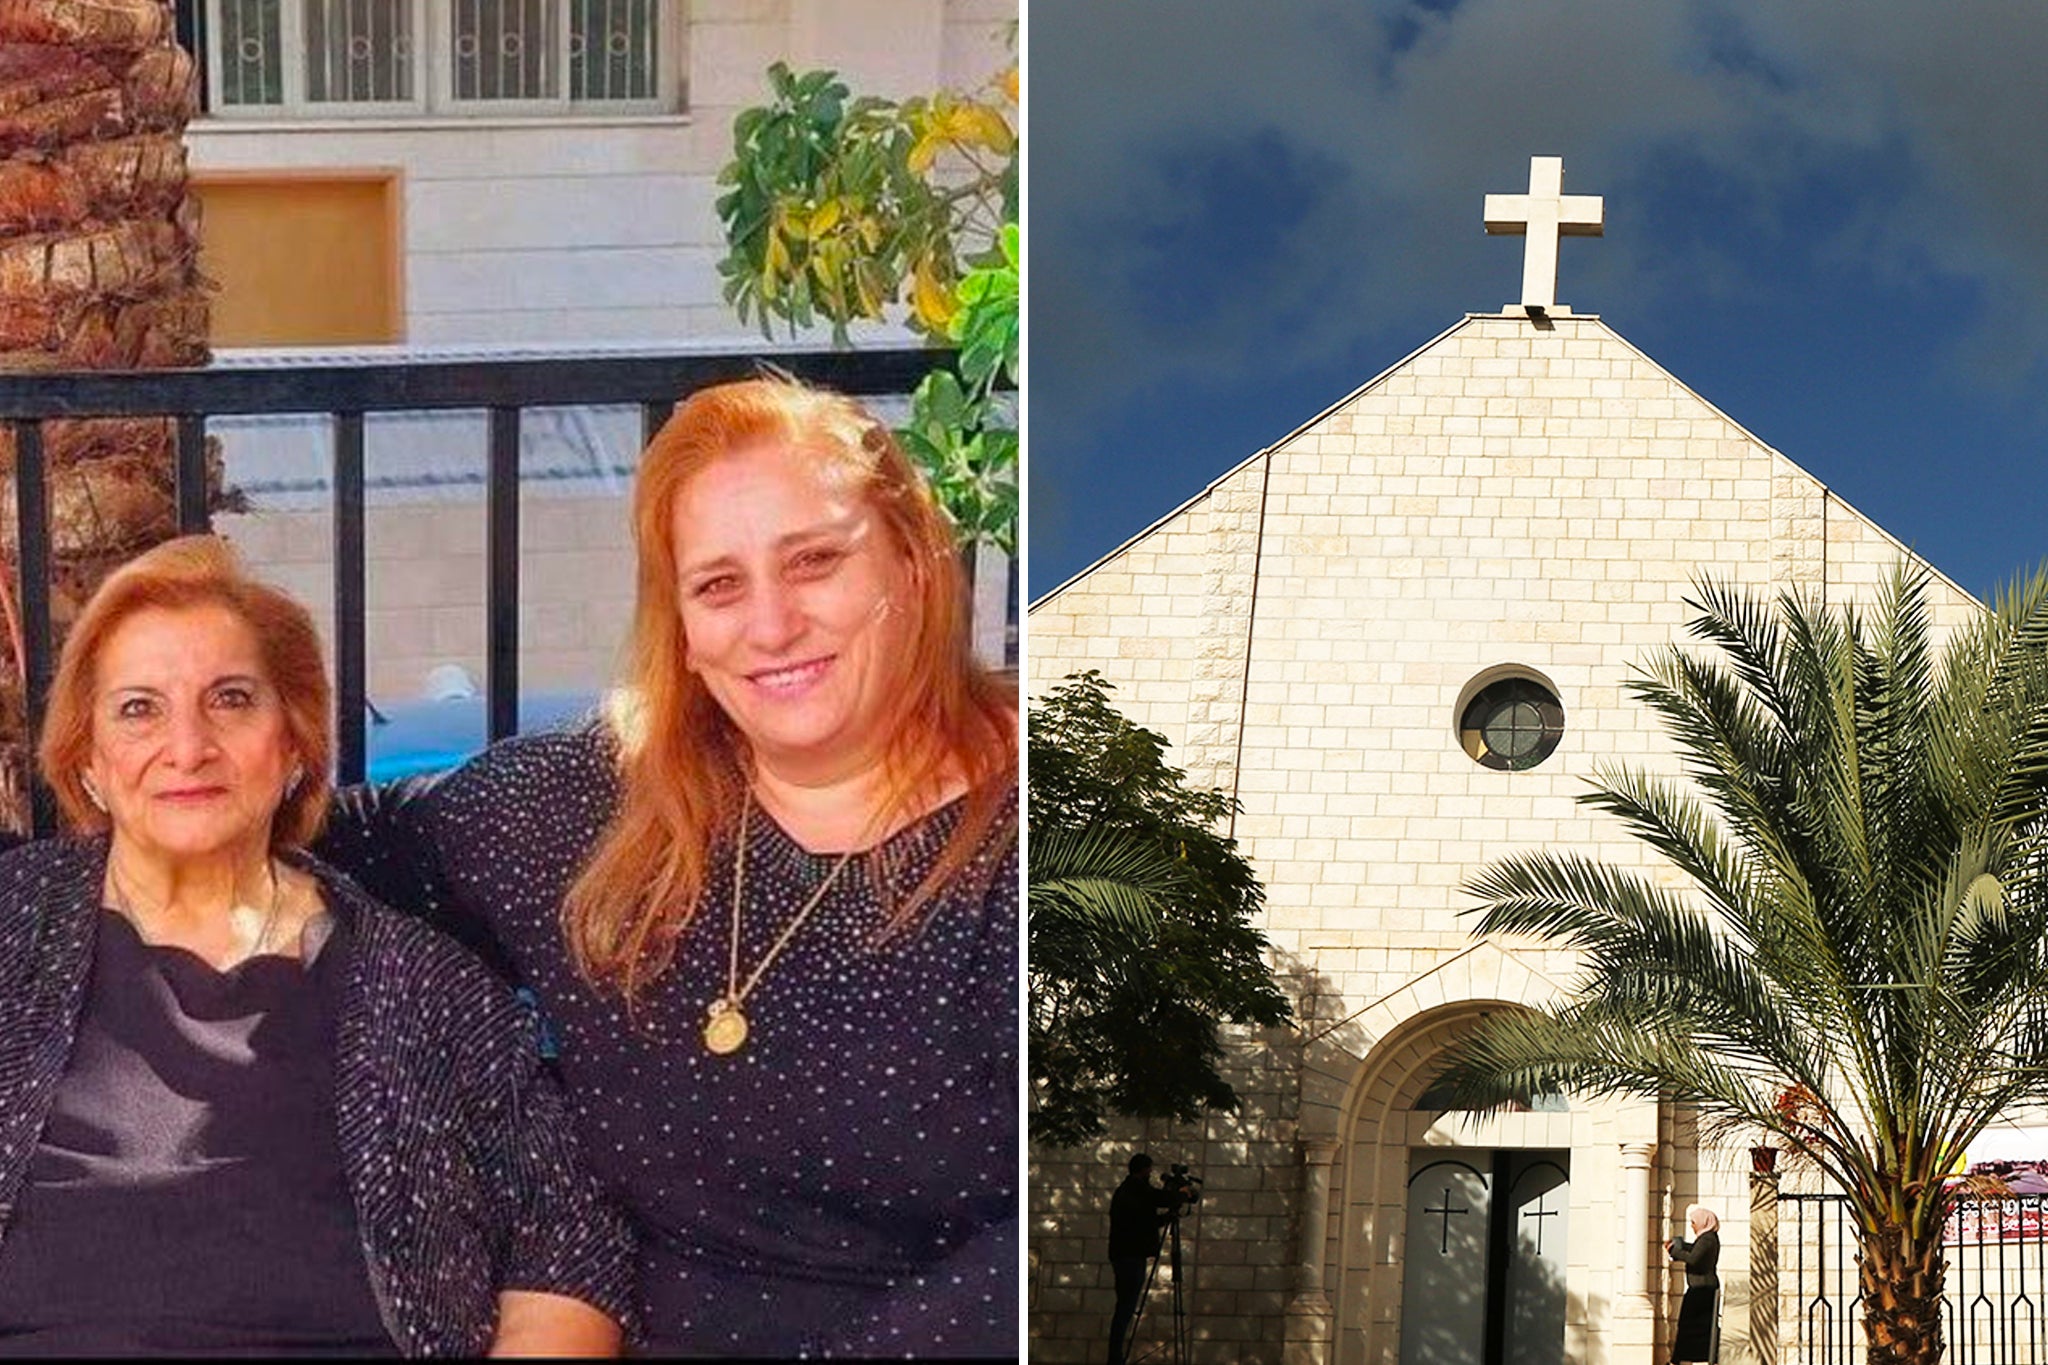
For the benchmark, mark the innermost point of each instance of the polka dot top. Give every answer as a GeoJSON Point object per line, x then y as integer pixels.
{"type": "Point", "coordinates": [844, 1183]}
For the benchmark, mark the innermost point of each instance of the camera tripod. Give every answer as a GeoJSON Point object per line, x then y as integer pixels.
{"type": "Point", "coordinates": [1169, 1246]}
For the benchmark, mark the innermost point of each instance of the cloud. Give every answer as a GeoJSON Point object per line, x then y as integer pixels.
{"type": "Point", "coordinates": [1218, 187]}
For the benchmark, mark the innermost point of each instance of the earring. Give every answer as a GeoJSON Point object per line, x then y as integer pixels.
{"type": "Point", "coordinates": [92, 793]}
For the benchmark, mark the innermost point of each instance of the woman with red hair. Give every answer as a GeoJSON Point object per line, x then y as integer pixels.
{"type": "Point", "coordinates": [767, 903]}
{"type": "Point", "coordinates": [243, 1108]}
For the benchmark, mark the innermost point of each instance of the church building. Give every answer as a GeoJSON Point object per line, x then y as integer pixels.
{"type": "Point", "coordinates": [1400, 637]}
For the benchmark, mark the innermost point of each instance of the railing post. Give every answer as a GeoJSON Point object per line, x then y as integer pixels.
{"type": "Point", "coordinates": [351, 750]}
{"type": "Point", "coordinates": [193, 513]}
{"type": "Point", "coordinates": [501, 591]}
{"type": "Point", "coordinates": [32, 559]}
{"type": "Point", "coordinates": [1763, 1267]}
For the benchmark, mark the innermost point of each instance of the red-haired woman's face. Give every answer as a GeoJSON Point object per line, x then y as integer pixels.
{"type": "Point", "coordinates": [190, 745]}
{"type": "Point", "coordinates": [793, 603]}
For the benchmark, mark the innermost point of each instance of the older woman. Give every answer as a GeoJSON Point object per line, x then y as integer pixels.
{"type": "Point", "coordinates": [243, 1109]}
{"type": "Point", "coordinates": [769, 903]}
{"type": "Point", "coordinates": [1698, 1336]}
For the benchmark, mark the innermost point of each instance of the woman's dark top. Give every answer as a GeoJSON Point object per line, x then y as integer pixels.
{"type": "Point", "coordinates": [846, 1182]}
{"type": "Point", "coordinates": [1701, 1256]}
{"type": "Point", "coordinates": [458, 1159]}
{"type": "Point", "coordinates": [1696, 1337]}
{"type": "Point", "coordinates": [187, 1193]}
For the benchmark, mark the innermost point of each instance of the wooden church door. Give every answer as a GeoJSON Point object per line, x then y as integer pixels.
{"type": "Point", "coordinates": [1483, 1273]}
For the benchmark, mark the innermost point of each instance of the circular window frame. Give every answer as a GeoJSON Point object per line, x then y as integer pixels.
{"type": "Point", "coordinates": [1511, 683]}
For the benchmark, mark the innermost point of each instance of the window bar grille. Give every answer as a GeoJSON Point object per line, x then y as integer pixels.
{"type": "Point", "coordinates": [351, 694]}
{"type": "Point", "coordinates": [192, 24]}
{"type": "Point", "coordinates": [646, 84]}
{"type": "Point", "coordinates": [326, 77]}
{"type": "Point", "coordinates": [193, 515]}
{"type": "Point", "coordinates": [252, 52]}
{"type": "Point", "coordinates": [32, 532]}
{"type": "Point", "coordinates": [463, 77]}
{"type": "Point", "coordinates": [501, 591]}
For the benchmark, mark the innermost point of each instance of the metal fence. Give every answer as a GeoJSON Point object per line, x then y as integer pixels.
{"type": "Point", "coordinates": [1994, 1305]}
{"type": "Point", "coordinates": [346, 391]}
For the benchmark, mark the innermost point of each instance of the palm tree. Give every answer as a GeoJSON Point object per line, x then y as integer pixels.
{"type": "Point", "coordinates": [1859, 965]}
{"type": "Point", "coordinates": [98, 271]}
{"type": "Point", "coordinates": [1096, 894]}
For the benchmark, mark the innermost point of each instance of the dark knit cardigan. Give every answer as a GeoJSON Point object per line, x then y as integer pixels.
{"type": "Point", "coordinates": [453, 1141]}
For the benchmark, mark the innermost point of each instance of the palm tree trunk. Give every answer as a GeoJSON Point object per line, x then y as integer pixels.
{"type": "Point", "coordinates": [99, 246]}
{"type": "Point", "coordinates": [1901, 1269]}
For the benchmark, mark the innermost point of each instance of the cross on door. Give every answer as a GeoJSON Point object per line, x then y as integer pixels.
{"type": "Point", "coordinates": [1447, 1211]}
{"type": "Point", "coordinates": [1539, 1213]}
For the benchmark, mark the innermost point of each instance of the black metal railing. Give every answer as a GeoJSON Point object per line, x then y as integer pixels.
{"type": "Point", "coordinates": [1994, 1303]}
{"type": "Point", "coordinates": [345, 391]}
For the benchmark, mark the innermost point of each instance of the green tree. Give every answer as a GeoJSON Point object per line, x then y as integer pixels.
{"type": "Point", "coordinates": [1857, 963]}
{"type": "Point", "coordinates": [841, 209]}
{"type": "Point", "coordinates": [1141, 925]}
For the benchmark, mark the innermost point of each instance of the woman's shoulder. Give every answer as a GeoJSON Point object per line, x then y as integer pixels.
{"type": "Point", "coordinates": [34, 866]}
{"type": "Point", "coordinates": [556, 772]}
{"type": "Point", "coordinates": [402, 949]}
{"type": "Point", "coordinates": [29, 859]}
{"type": "Point", "coordinates": [578, 752]}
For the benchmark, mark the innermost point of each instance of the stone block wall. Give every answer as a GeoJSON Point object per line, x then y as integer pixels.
{"type": "Point", "coordinates": [1508, 498]}
{"type": "Point", "coordinates": [425, 591]}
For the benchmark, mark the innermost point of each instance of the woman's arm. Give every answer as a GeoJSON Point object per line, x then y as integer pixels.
{"type": "Point", "coordinates": [964, 1303]}
{"type": "Point", "coordinates": [379, 834]}
{"type": "Point", "coordinates": [565, 1270]}
{"type": "Point", "coordinates": [532, 1324]}
{"type": "Point", "coordinates": [387, 837]}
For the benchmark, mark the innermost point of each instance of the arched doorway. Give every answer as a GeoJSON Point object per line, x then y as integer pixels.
{"type": "Point", "coordinates": [1456, 1230]}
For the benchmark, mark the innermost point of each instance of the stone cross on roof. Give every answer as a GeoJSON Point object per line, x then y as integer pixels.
{"type": "Point", "coordinates": [1541, 215]}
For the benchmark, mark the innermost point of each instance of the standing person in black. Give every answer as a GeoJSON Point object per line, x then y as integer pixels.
{"type": "Point", "coordinates": [1698, 1337]}
{"type": "Point", "coordinates": [1137, 1211]}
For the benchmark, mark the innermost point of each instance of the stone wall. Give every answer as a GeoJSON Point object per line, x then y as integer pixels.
{"type": "Point", "coordinates": [1511, 498]}
{"type": "Point", "coordinates": [425, 590]}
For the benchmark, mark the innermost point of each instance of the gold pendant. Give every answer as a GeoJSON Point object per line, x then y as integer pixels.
{"type": "Point", "coordinates": [725, 1027]}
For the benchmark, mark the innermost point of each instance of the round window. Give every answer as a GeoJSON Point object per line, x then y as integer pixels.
{"type": "Point", "coordinates": [1512, 724]}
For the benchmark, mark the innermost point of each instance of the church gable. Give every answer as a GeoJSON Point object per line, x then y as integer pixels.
{"type": "Point", "coordinates": [1402, 637]}
{"type": "Point", "coordinates": [1515, 500]}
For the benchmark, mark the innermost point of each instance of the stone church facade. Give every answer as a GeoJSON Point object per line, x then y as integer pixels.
{"type": "Point", "coordinates": [1516, 510]}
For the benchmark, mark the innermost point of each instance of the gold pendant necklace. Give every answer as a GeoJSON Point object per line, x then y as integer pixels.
{"type": "Point", "coordinates": [725, 1022]}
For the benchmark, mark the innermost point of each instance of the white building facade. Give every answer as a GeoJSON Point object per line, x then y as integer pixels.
{"type": "Point", "coordinates": [538, 198]}
{"type": "Point", "coordinates": [1338, 632]}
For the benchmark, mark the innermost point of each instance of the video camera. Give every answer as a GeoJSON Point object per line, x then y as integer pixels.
{"type": "Point", "coordinates": [1185, 1188]}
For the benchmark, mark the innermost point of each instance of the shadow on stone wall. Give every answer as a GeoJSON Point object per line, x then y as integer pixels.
{"type": "Point", "coordinates": [1239, 1244]}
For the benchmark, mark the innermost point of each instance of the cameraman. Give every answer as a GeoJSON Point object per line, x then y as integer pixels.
{"type": "Point", "coordinates": [1137, 1211]}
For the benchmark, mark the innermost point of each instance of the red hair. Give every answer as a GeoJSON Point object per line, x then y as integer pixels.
{"type": "Point", "coordinates": [178, 575]}
{"type": "Point", "coordinates": [684, 765]}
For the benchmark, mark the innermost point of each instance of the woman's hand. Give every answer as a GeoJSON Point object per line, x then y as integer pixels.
{"type": "Point", "coordinates": [535, 1324]}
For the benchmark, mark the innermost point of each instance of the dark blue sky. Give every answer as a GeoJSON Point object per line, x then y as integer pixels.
{"type": "Point", "coordinates": [1829, 219]}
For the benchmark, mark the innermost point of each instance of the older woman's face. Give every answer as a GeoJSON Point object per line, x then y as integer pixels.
{"type": "Point", "coordinates": [190, 750]}
{"type": "Point", "coordinates": [793, 605]}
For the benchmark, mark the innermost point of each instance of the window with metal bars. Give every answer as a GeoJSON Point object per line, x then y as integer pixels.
{"type": "Point", "coordinates": [341, 57]}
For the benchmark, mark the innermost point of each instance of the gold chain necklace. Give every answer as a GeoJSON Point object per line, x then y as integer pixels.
{"type": "Point", "coordinates": [725, 1023]}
